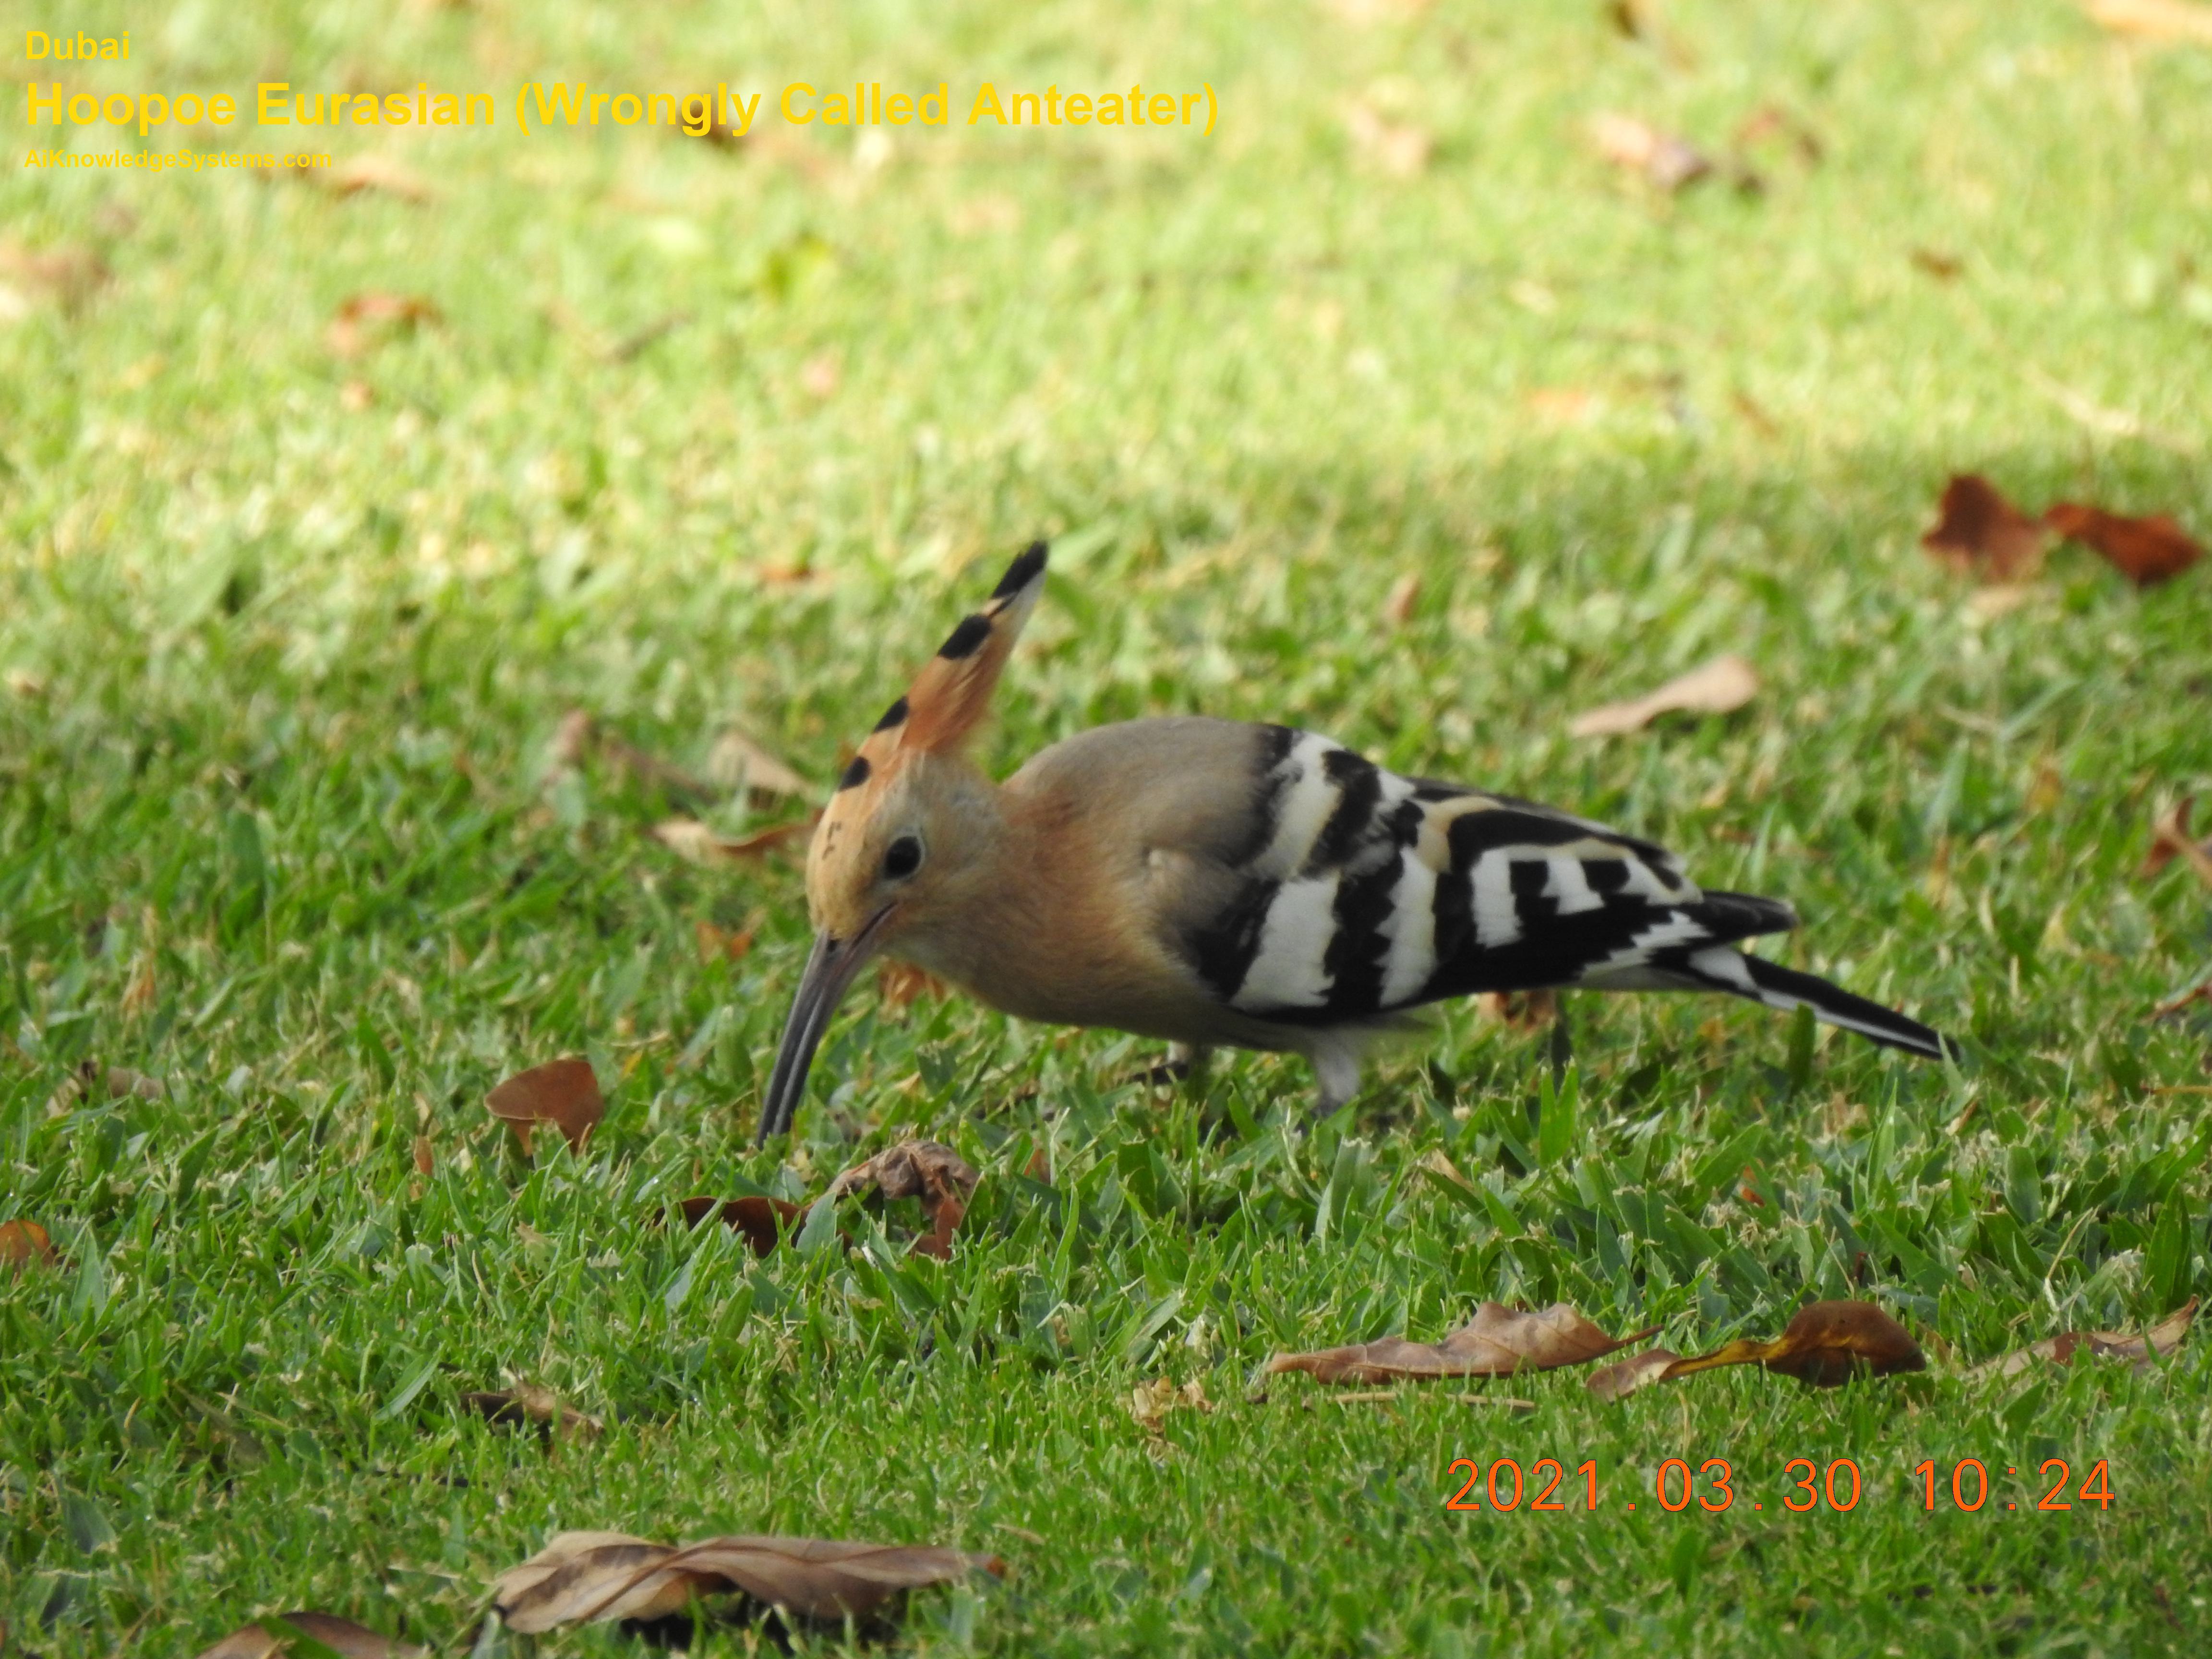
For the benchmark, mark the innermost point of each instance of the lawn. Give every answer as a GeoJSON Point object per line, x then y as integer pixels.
{"type": "Point", "coordinates": [1392, 409]}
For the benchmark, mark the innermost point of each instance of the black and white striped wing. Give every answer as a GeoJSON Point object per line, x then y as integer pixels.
{"type": "Point", "coordinates": [1359, 892]}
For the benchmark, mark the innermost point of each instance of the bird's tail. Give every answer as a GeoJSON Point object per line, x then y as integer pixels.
{"type": "Point", "coordinates": [1723, 968]}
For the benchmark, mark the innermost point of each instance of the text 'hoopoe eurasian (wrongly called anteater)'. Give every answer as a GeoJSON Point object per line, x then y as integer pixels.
{"type": "Point", "coordinates": [1210, 882]}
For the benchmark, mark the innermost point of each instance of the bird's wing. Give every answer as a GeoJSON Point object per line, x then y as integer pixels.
{"type": "Point", "coordinates": [1350, 892]}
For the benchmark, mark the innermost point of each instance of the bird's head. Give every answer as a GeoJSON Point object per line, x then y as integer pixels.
{"type": "Point", "coordinates": [897, 850]}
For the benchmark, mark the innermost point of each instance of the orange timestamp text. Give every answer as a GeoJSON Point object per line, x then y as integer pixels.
{"type": "Point", "coordinates": [1711, 1486]}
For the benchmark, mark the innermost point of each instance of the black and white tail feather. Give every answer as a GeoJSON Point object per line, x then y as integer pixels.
{"type": "Point", "coordinates": [1359, 894]}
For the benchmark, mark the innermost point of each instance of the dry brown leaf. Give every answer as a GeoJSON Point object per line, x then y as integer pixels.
{"type": "Point", "coordinates": [385, 174]}
{"type": "Point", "coordinates": [93, 1081]}
{"type": "Point", "coordinates": [602, 1576]}
{"type": "Point", "coordinates": [1634, 20]}
{"type": "Point", "coordinates": [341, 1636]}
{"type": "Point", "coordinates": [900, 983]}
{"type": "Point", "coordinates": [1399, 148]}
{"type": "Point", "coordinates": [717, 945]}
{"type": "Point", "coordinates": [1440, 1161]}
{"type": "Point", "coordinates": [2161, 21]}
{"type": "Point", "coordinates": [736, 761]}
{"type": "Point", "coordinates": [23, 1242]}
{"type": "Point", "coordinates": [2147, 550]}
{"type": "Point", "coordinates": [365, 320]}
{"type": "Point", "coordinates": [572, 738]}
{"type": "Point", "coordinates": [579, 735]}
{"type": "Point", "coordinates": [935, 1174]}
{"type": "Point", "coordinates": [1150, 1402]}
{"type": "Point", "coordinates": [1827, 1344]}
{"type": "Point", "coordinates": [1497, 1342]}
{"type": "Point", "coordinates": [1773, 121]}
{"type": "Point", "coordinates": [2175, 1004]}
{"type": "Point", "coordinates": [426, 1161]}
{"type": "Point", "coordinates": [1933, 262]}
{"type": "Point", "coordinates": [564, 1093]}
{"type": "Point", "coordinates": [1520, 1011]}
{"type": "Point", "coordinates": [1625, 1377]}
{"type": "Point", "coordinates": [1978, 532]}
{"type": "Point", "coordinates": [764, 1221]}
{"type": "Point", "coordinates": [1719, 687]}
{"type": "Point", "coordinates": [1398, 604]}
{"type": "Point", "coordinates": [2172, 838]}
{"type": "Point", "coordinates": [68, 276]}
{"type": "Point", "coordinates": [1666, 160]}
{"type": "Point", "coordinates": [2142, 1352]}
{"type": "Point", "coordinates": [122, 1081]}
{"type": "Point", "coordinates": [696, 842]}
{"type": "Point", "coordinates": [526, 1403]}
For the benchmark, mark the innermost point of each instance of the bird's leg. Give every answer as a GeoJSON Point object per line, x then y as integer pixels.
{"type": "Point", "coordinates": [1336, 1070]}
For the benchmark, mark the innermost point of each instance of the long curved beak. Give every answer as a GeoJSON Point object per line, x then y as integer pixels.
{"type": "Point", "coordinates": [830, 969]}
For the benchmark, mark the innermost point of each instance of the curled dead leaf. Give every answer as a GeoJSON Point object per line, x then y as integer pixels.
{"type": "Point", "coordinates": [1719, 687]}
{"type": "Point", "coordinates": [2142, 1352]}
{"type": "Point", "coordinates": [1438, 1162]}
{"type": "Point", "coordinates": [601, 1576]}
{"type": "Point", "coordinates": [935, 1174]}
{"type": "Point", "coordinates": [1150, 1402]}
{"type": "Point", "coordinates": [91, 1081]}
{"type": "Point", "coordinates": [2172, 838]}
{"type": "Point", "coordinates": [2173, 1005]}
{"type": "Point", "coordinates": [68, 276]}
{"type": "Point", "coordinates": [23, 1243]}
{"type": "Point", "coordinates": [564, 1093]}
{"type": "Point", "coordinates": [900, 983]}
{"type": "Point", "coordinates": [737, 762]}
{"type": "Point", "coordinates": [1980, 533]}
{"type": "Point", "coordinates": [1520, 1011]}
{"type": "Point", "coordinates": [1666, 161]}
{"type": "Point", "coordinates": [695, 841]}
{"type": "Point", "coordinates": [1405, 594]}
{"type": "Point", "coordinates": [1935, 262]}
{"type": "Point", "coordinates": [1773, 121]}
{"type": "Point", "coordinates": [528, 1403]}
{"type": "Point", "coordinates": [764, 1221]}
{"type": "Point", "coordinates": [2147, 550]}
{"type": "Point", "coordinates": [280, 1633]}
{"type": "Point", "coordinates": [1497, 1342]}
{"type": "Point", "coordinates": [365, 320]}
{"type": "Point", "coordinates": [1625, 1377]}
{"type": "Point", "coordinates": [720, 944]}
{"type": "Point", "coordinates": [1827, 1344]}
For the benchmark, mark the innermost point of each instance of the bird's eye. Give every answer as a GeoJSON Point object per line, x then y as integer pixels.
{"type": "Point", "coordinates": [902, 858]}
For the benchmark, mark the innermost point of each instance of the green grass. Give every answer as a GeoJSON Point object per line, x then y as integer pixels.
{"type": "Point", "coordinates": [279, 823]}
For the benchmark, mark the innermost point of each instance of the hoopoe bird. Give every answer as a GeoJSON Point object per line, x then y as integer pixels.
{"type": "Point", "coordinates": [1213, 883]}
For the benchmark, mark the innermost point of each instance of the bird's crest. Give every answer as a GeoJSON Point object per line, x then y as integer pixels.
{"type": "Point", "coordinates": [943, 706]}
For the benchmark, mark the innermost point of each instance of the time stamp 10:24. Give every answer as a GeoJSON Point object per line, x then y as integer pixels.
{"type": "Point", "coordinates": [1713, 1486]}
